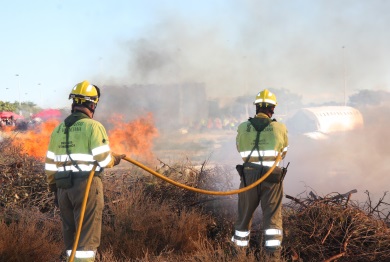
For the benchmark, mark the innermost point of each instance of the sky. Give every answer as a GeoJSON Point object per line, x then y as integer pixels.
{"type": "Point", "coordinates": [314, 48]}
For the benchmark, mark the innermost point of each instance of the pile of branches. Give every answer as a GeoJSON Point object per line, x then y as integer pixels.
{"type": "Point", "coordinates": [203, 176]}
{"type": "Point", "coordinates": [22, 179]}
{"type": "Point", "coordinates": [184, 173]}
{"type": "Point", "coordinates": [334, 228]}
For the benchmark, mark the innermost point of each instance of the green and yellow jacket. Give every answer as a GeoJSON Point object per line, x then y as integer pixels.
{"type": "Point", "coordinates": [272, 140]}
{"type": "Point", "coordinates": [87, 143]}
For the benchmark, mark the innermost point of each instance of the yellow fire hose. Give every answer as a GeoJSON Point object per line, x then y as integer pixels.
{"type": "Point", "coordinates": [198, 190]}
{"type": "Point", "coordinates": [202, 191]}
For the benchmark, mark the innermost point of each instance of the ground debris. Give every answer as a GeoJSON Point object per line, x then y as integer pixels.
{"type": "Point", "coordinates": [334, 228]}
{"type": "Point", "coordinates": [22, 180]}
{"type": "Point", "coordinates": [316, 228]}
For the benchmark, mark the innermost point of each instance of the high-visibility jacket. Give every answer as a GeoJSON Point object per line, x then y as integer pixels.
{"type": "Point", "coordinates": [87, 143]}
{"type": "Point", "coordinates": [273, 139]}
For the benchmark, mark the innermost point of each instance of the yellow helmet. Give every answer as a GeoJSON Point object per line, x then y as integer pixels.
{"type": "Point", "coordinates": [266, 97]}
{"type": "Point", "coordinates": [83, 92]}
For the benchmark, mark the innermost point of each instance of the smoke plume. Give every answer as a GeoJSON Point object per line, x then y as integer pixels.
{"type": "Point", "coordinates": [322, 57]}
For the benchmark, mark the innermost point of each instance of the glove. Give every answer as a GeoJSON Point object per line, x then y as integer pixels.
{"type": "Point", "coordinates": [56, 199]}
{"type": "Point", "coordinates": [117, 158]}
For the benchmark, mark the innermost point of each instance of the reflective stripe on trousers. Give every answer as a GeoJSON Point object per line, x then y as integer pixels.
{"type": "Point", "coordinates": [241, 238]}
{"type": "Point", "coordinates": [272, 237]}
{"type": "Point", "coordinates": [82, 255]}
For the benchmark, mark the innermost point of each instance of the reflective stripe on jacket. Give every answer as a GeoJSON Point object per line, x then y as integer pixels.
{"type": "Point", "coordinates": [87, 143]}
{"type": "Point", "coordinates": [273, 139]}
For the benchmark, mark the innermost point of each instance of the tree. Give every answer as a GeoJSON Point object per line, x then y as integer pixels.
{"type": "Point", "coordinates": [369, 97]}
{"type": "Point", "coordinates": [7, 106]}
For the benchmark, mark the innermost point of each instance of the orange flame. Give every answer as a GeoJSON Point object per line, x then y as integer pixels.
{"type": "Point", "coordinates": [135, 137]}
{"type": "Point", "coordinates": [8, 129]}
{"type": "Point", "coordinates": [35, 142]}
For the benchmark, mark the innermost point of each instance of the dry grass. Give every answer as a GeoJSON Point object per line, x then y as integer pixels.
{"type": "Point", "coordinates": [146, 219]}
{"type": "Point", "coordinates": [29, 236]}
{"type": "Point", "coordinates": [334, 228]}
{"type": "Point", "coordinates": [150, 226]}
{"type": "Point", "coordinates": [22, 180]}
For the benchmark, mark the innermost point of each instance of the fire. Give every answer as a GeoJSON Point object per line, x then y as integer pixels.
{"type": "Point", "coordinates": [35, 142]}
{"type": "Point", "coordinates": [135, 137]}
{"type": "Point", "coordinates": [8, 129]}
{"type": "Point", "coordinates": [131, 138]}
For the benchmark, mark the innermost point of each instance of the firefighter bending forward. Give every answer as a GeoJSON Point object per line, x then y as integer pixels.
{"type": "Point", "coordinates": [259, 140]}
{"type": "Point", "coordinates": [75, 146]}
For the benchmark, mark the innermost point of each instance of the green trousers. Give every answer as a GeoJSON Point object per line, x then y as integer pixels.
{"type": "Point", "coordinates": [269, 195]}
{"type": "Point", "coordinates": [70, 202]}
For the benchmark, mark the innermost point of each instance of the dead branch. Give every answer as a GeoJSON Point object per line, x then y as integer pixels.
{"type": "Point", "coordinates": [323, 226]}
{"type": "Point", "coordinates": [327, 234]}
{"type": "Point", "coordinates": [296, 200]}
{"type": "Point", "coordinates": [334, 257]}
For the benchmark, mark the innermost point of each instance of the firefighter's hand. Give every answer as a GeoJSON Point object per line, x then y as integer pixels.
{"type": "Point", "coordinates": [117, 158]}
{"type": "Point", "coordinates": [56, 199]}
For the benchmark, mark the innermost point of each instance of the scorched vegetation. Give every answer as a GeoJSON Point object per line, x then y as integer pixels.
{"type": "Point", "coordinates": [146, 219]}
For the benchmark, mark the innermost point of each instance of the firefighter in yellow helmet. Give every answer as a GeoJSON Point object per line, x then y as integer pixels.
{"type": "Point", "coordinates": [75, 146]}
{"type": "Point", "coordinates": [259, 140]}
